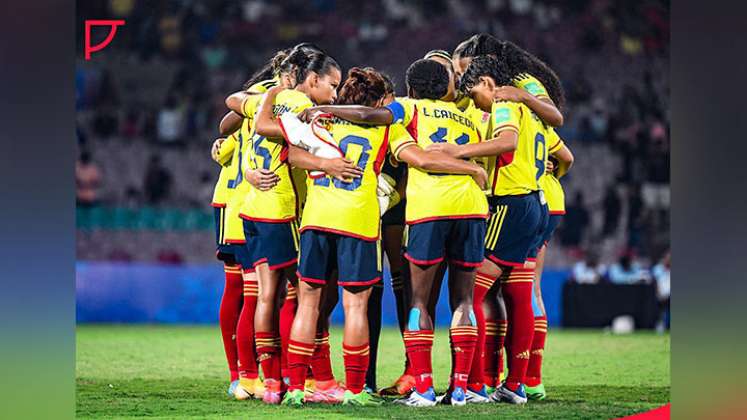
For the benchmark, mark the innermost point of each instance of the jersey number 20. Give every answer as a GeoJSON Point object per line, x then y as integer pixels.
{"type": "Point", "coordinates": [362, 161]}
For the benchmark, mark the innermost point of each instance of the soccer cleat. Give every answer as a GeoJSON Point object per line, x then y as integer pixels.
{"type": "Point", "coordinates": [416, 399]}
{"type": "Point", "coordinates": [293, 398]}
{"type": "Point", "coordinates": [503, 394]}
{"type": "Point", "coordinates": [327, 392]}
{"type": "Point", "coordinates": [536, 392]}
{"type": "Point", "coordinates": [273, 391]}
{"type": "Point", "coordinates": [362, 399]}
{"type": "Point", "coordinates": [308, 387]}
{"type": "Point", "coordinates": [404, 384]}
{"type": "Point", "coordinates": [248, 388]}
{"type": "Point", "coordinates": [232, 387]}
{"type": "Point", "coordinates": [455, 397]}
{"type": "Point", "coordinates": [478, 397]}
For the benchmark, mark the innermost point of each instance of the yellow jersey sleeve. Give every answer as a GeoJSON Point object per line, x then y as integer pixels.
{"type": "Point", "coordinates": [226, 150]}
{"type": "Point", "coordinates": [532, 85]}
{"type": "Point", "coordinates": [554, 142]}
{"type": "Point", "coordinates": [263, 86]}
{"type": "Point", "coordinates": [399, 139]}
{"type": "Point", "coordinates": [505, 116]}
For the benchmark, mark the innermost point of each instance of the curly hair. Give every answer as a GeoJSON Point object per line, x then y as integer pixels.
{"type": "Point", "coordinates": [517, 60]}
{"type": "Point", "coordinates": [427, 79]}
{"type": "Point", "coordinates": [389, 84]}
{"type": "Point", "coordinates": [363, 86]}
{"type": "Point", "coordinates": [484, 65]}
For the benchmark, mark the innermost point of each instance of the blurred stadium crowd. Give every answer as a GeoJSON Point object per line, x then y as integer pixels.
{"type": "Point", "coordinates": [148, 108]}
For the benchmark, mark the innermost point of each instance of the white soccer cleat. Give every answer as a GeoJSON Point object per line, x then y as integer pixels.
{"type": "Point", "coordinates": [415, 399]}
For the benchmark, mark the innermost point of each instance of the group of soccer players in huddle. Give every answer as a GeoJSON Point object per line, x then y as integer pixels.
{"type": "Point", "coordinates": [318, 174]}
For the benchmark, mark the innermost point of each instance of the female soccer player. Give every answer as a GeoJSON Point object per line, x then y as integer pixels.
{"type": "Point", "coordinates": [517, 152]}
{"type": "Point", "coordinates": [445, 215]}
{"type": "Point", "coordinates": [270, 217]}
{"type": "Point", "coordinates": [530, 91]}
{"type": "Point", "coordinates": [238, 303]}
{"type": "Point", "coordinates": [559, 162]}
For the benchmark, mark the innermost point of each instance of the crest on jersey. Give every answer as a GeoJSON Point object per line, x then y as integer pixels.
{"type": "Point", "coordinates": [533, 88]}
{"type": "Point", "coordinates": [502, 115]}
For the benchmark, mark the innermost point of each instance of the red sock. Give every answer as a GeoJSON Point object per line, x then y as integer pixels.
{"type": "Point", "coordinates": [463, 340]}
{"type": "Point", "coordinates": [268, 349]}
{"type": "Point", "coordinates": [356, 365]}
{"type": "Point", "coordinates": [287, 313]}
{"type": "Point", "coordinates": [499, 348]}
{"type": "Point", "coordinates": [489, 354]}
{"type": "Point", "coordinates": [245, 331]}
{"type": "Point", "coordinates": [483, 283]}
{"type": "Point", "coordinates": [418, 345]}
{"type": "Point", "coordinates": [228, 316]}
{"type": "Point", "coordinates": [299, 358]}
{"type": "Point", "coordinates": [534, 370]}
{"type": "Point", "coordinates": [517, 292]}
{"type": "Point", "coordinates": [321, 364]}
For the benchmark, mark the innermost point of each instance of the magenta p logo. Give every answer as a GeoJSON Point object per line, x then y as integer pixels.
{"type": "Point", "coordinates": [112, 24]}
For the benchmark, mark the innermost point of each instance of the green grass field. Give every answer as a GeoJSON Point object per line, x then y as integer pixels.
{"type": "Point", "coordinates": [178, 372]}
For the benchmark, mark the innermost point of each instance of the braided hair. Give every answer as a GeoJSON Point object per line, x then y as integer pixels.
{"type": "Point", "coordinates": [427, 79]}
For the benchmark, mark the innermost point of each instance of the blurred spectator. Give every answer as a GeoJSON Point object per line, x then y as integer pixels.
{"type": "Point", "coordinates": [636, 217]}
{"type": "Point", "coordinates": [661, 275]}
{"type": "Point", "coordinates": [206, 188]}
{"type": "Point", "coordinates": [105, 123]}
{"type": "Point", "coordinates": [87, 181]}
{"type": "Point", "coordinates": [612, 208]}
{"type": "Point", "coordinates": [170, 122]}
{"type": "Point", "coordinates": [656, 187]}
{"type": "Point", "coordinates": [588, 270]}
{"type": "Point", "coordinates": [627, 271]}
{"type": "Point", "coordinates": [575, 222]}
{"type": "Point", "coordinates": [170, 256]}
{"type": "Point", "coordinates": [157, 184]}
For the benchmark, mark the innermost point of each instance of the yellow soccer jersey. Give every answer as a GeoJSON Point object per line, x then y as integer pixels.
{"type": "Point", "coordinates": [282, 202]}
{"type": "Point", "coordinates": [238, 187]}
{"type": "Point", "coordinates": [432, 196]}
{"type": "Point", "coordinates": [550, 184]}
{"type": "Point", "coordinates": [220, 193]}
{"type": "Point", "coordinates": [532, 85]}
{"type": "Point", "coordinates": [263, 86]}
{"type": "Point", "coordinates": [352, 208]}
{"type": "Point", "coordinates": [517, 172]}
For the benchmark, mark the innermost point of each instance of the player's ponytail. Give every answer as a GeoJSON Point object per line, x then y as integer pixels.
{"type": "Point", "coordinates": [270, 70]}
{"type": "Point", "coordinates": [363, 86]}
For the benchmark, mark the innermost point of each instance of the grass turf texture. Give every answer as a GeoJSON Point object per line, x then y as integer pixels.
{"type": "Point", "coordinates": [178, 372]}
